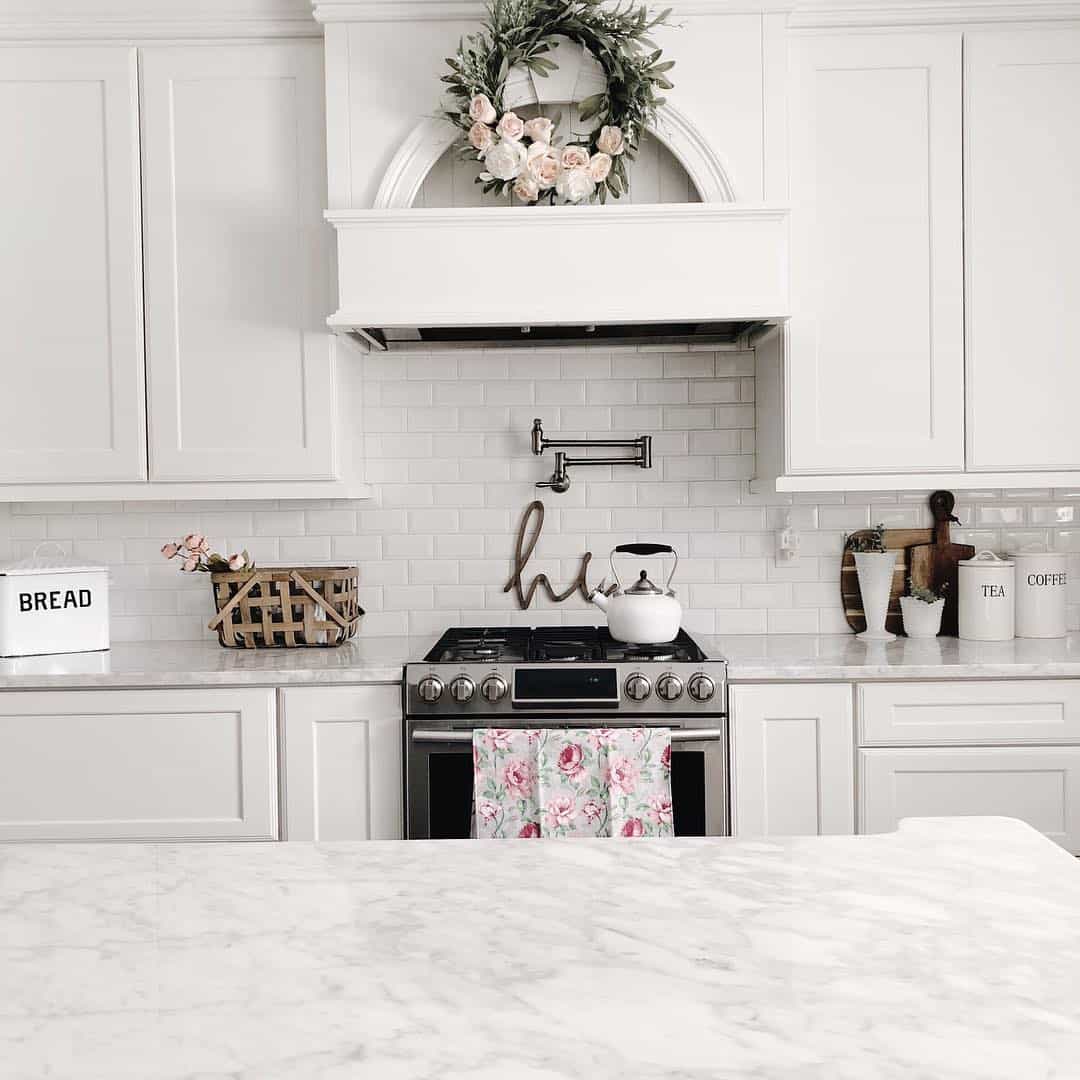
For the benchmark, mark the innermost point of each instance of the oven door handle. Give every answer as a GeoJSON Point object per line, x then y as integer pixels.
{"type": "Point", "coordinates": [678, 735]}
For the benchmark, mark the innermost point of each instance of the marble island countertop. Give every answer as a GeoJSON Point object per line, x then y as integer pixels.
{"type": "Point", "coordinates": [767, 657]}
{"type": "Point", "coordinates": [946, 950]}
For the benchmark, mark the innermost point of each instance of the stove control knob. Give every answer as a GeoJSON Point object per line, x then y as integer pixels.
{"type": "Point", "coordinates": [669, 687]}
{"type": "Point", "coordinates": [493, 688]}
{"type": "Point", "coordinates": [462, 689]}
{"type": "Point", "coordinates": [637, 687]}
{"type": "Point", "coordinates": [701, 687]}
{"type": "Point", "coordinates": [429, 689]}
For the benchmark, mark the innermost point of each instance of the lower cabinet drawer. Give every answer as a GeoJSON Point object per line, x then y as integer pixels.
{"type": "Point", "coordinates": [1007, 712]}
{"type": "Point", "coordinates": [1039, 785]}
{"type": "Point", "coordinates": [138, 765]}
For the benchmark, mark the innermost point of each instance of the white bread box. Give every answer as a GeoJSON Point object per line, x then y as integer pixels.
{"type": "Point", "coordinates": [53, 605]}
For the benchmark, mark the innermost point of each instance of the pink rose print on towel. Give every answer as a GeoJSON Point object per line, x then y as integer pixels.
{"type": "Point", "coordinates": [570, 761]}
{"type": "Point", "coordinates": [497, 739]}
{"type": "Point", "coordinates": [487, 810]}
{"type": "Point", "coordinates": [559, 813]}
{"type": "Point", "coordinates": [665, 757]}
{"type": "Point", "coordinates": [518, 777]}
{"type": "Point", "coordinates": [633, 827]}
{"type": "Point", "coordinates": [624, 774]}
{"type": "Point", "coordinates": [592, 811]}
{"type": "Point", "coordinates": [601, 737]}
{"type": "Point", "coordinates": [660, 809]}
{"type": "Point", "coordinates": [529, 831]}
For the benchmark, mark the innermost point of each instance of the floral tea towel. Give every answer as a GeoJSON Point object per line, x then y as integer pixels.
{"type": "Point", "coordinates": [569, 783]}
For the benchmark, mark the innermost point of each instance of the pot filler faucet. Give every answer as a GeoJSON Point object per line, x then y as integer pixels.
{"type": "Point", "coordinates": [560, 478]}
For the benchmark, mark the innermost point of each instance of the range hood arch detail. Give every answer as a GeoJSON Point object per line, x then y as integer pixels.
{"type": "Point", "coordinates": [577, 77]}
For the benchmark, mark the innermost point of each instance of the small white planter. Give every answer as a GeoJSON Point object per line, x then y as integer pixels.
{"type": "Point", "coordinates": [921, 620]}
{"type": "Point", "coordinates": [875, 569]}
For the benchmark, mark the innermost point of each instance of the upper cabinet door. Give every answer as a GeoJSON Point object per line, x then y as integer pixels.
{"type": "Point", "coordinates": [239, 363]}
{"type": "Point", "coordinates": [875, 380]}
{"type": "Point", "coordinates": [1022, 90]}
{"type": "Point", "coordinates": [72, 407]}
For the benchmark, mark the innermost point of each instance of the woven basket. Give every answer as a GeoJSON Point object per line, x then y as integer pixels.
{"type": "Point", "coordinates": [286, 607]}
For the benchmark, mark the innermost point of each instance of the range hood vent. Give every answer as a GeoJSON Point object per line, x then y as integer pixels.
{"type": "Point", "coordinates": [697, 273]}
{"type": "Point", "coordinates": [738, 333]}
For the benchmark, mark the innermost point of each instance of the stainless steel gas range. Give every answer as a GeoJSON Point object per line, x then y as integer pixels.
{"type": "Point", "coordinates": [570, 676]}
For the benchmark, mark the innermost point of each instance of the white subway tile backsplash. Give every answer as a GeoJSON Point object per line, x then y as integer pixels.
{"type": "Point", "coordinates": [447, 440]}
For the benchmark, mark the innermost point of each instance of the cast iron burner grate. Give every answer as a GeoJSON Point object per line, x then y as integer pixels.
{"type": "Point", "coordinates": [555, 645]}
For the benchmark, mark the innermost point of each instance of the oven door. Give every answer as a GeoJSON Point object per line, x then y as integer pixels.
{"type": "Point", "coordinates": [439, 778]}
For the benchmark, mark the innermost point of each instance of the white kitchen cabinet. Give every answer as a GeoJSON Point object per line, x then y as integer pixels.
{"type": "Point", "coordinates": [875, 375]}
{"type": "Point", "coordinates": [1039, 785]}
{"type": "Point", "coordinates": [1022, 232]}
{"type": "Point", "coordinates": [72, 406]}
{"type": "Point", "coordinates": [342, 762]}
{"type": "Point", "coordinates": [792, 748]}
{"type": "Point", "coordinates": [238, 263]}
{"type": "Point", "coordinates": [980, 713]}
{"type": "Point", "coordinates": [138, 765]}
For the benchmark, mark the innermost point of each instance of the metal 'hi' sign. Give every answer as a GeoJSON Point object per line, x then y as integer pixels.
{"type": "Point", "coordinates": [532, 524]}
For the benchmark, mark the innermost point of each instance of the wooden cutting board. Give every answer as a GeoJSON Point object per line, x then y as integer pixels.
{"type": "Point", "coordinates": [902, 541]}
{"type": "Point", "coordinates": [934, 565]}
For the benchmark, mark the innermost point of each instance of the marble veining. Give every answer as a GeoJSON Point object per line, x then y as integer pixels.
{"type": "Point", "coordinates": [947, 950]}
{"type": "Point", "coordinates": [380, 659]}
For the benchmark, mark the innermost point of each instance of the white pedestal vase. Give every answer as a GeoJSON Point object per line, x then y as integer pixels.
{"type": "Point", "coordinates": [921, 620]}
{"type": "Point", "coordinates": [875, 570]}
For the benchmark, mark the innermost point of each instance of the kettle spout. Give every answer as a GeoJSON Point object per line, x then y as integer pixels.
{"type": "Point", "coordinates": [599, 597]}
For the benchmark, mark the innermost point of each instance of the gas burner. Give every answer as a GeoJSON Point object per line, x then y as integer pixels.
{"type": "Point", "coordinates": [667, 651]}
{"type": "Point", "coordinates": [555, 645]}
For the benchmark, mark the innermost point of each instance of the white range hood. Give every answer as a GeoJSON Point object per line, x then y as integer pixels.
{"type": "Point", "coordinates": [560, 274]}
{"type": "Point", "coordinates": [409, 277]}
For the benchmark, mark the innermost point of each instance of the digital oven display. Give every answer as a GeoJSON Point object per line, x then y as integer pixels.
{"type": "Point", "coordinates": [570, 688]}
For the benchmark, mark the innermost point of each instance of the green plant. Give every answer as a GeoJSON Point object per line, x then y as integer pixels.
{"type": "Point", "coordinates": [872, 540]}
{"type": "Point", "coordinates": [927, 596]}
{"type": "Point", "coordinates": [522, 33]}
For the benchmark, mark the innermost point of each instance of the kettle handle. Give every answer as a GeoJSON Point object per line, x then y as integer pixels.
{"type": "Point", "coordinates": [644, 549]}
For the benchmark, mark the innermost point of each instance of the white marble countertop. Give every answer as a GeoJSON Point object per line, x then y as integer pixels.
{"type": "Point", "coordinates": [772, 657]}
{"type": "Point", "coordinates": [947, 950]}
{"type": "Point", "coordinates": [845, 657]}
{"type": "Point", "coordinates": [205, 663]}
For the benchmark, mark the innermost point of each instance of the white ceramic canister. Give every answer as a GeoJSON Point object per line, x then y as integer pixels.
{"type": "Point", "coordinates": [987, 598]}
{"type": "Point", "coordinates": [1040, 592]}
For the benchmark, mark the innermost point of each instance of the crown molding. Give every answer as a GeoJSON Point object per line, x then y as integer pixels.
{"type": "Point", "coordinates": [805, 14]}
{"type": "Point", "coordinates": [25, 20]}
{"type": "Point", "coordinates": [474, 10]}
{"type": "Point", "coordinates": [830, 14]}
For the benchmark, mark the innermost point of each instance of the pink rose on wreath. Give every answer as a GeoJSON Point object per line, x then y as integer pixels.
{"type": "Point", "coordinates": [660, 809]}
{"type": "Point", "coordinates": [592, 811]}
{"type": "Point", "coordinates": [488, 810]}
{"type": "Point", "coordinates": [559, 813]}
{"type": "Point", "coordinates": [633, 827]}
{"type": "Point", "coordinates": [665, 757]}
{"type": "Point", "coordinates": [497, 739]}
{"type": "Point", "coordinates": [624, 774]}
{"type": "Point", "coordinates": [529, 831]}
{"type": "Point", "coordinates": [518, 777]}
{"type": "Point", "coordinates": [570, 761]}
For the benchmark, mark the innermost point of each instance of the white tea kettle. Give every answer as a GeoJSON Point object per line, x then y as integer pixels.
{"type": "Point", "coordinates": [644, 613]}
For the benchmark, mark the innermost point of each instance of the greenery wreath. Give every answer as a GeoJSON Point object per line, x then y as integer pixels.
{"type": "Point", "coordinates": [522, 156]}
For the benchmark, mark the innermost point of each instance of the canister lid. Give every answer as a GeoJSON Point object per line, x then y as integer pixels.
{"type": "Point", "coordinates": [986, 560]}
{"type": "Point", "coordinates": [52, 563]}
{"type": "Point", "coordinates": [1037, 551]}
